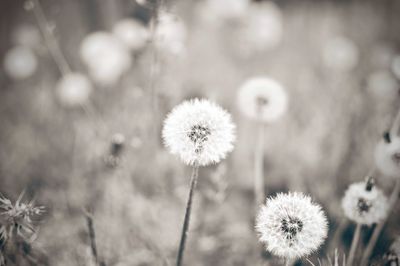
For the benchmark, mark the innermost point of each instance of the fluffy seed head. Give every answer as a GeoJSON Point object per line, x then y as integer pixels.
{"type": "Point", "coordinates": [387, 156]}
{"type": "Point", "coordinates": [262, 99]}
{"type": "Point", "coordinates": [199, 131]}
{"type": "Point", "coordinates": [363, 205]}
{"type": "Point", "coordinates": [291, 225]}
{"type": "Point", "coordinates": [73, 89]}
{"type": "Point", "coordinates": [132, 33]}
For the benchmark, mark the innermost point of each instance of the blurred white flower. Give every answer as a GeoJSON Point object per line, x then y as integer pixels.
{"type": "Point", "coordinates": [383, 85]}
{"type": "Point", "coordinates": [396, 66]}
{"type": "Point", "coordinates": [340, 53]}
{"type": "Point", "coordinates": [199, 131]}
{"type": "Point", "coordinates": [263, 99]}
{"type": "Point", "coordinates": [291, 225]}
{"type": "Point", "coordinates": [26, 35]}
{"type": "Point", "coordinates": [223, 9]}
{"type": "Point", "coordinates": [170, 34]}
{"type": "Point", "coordinates": [262, 28]}
{"type": "Point", "coordinates": [73, 89]}
{"type": "Point", "coordinates": [20, 63]}
{"type": "Point", "coordinates": [105, 56]}
{"type": "Point", "coordinates": [364, 204]}
{"type": "Point", "coordinates": [132, 33]}
{"type": "Point", "coordinates": [387, 156]}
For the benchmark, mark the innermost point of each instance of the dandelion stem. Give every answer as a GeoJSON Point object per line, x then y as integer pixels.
{"type": "Point", "coordinates": [259, 166]}
{"type": "Point", "coordinates": [50, 41]}
{"type": "Point", "coordinates": [374, 238]}
{"type": "Point", "coordinates": [92, 236]}
{"type": "Point", "coordinates": [185, 229]}
{"type": "Point", "coordinates": [396, 124]}
{"type": "Point", "coordinates": [354, 244]}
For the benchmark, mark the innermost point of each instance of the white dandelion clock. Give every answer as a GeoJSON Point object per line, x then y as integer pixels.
{"type": "Point", "coordinates": [20, 63]}
{"type": "Point", "coordinates": [170, 34]}
{"type": "Point", "coordinates": [291, 225]}
{"type": "Point", "coordinates": [106, 57]}
{"type": "Point", "coordinates": [387, 156]}
{"type": "Point", "coordinates": [132, 33]}
{"type": "Point", "coordinates": [364, 203]}
{"type": "Point", "coordinates": [73, 89]}
{"type": "Point", "coordinates": [262, 28]}
{"type": "Point", "coordinates": [262, 99]}
{"type": "Point", "coordinates": [199, 131]}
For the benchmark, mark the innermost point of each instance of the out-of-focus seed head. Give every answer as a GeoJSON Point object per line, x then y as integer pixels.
{"type": "Point", "coordinates": [364, 204]}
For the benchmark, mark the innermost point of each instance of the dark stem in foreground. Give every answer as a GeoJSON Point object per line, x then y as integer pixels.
{"type": "Point", "coordinates": [185, 229]}
{"type": "Point", "coordinates": [92, 237]}
{"type": "Point", "coordinates": [377, 231]}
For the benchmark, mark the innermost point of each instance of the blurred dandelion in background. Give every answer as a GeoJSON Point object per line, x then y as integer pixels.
{"type": "Point", "coordinates": [73, 89]}
{"type": "Point", "coordinates": [20, 63]}
{"type": "Point", "coordinates": [365, 204]}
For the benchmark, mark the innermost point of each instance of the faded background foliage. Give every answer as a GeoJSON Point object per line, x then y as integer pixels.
{"type": "Point", "coordinates": [323, 143]}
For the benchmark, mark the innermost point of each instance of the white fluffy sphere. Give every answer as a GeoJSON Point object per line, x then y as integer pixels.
{"type": "Point", "coordinates": [170, 34]}
{"type": "Point", "coordinates": [364, 206]}
{"type": "Point", "coordinates": [387, 157]}
{"type": "Point", "coordinates": [20, 63]}
{"type": "Point", "coordinates": [105, 56]}
{"type": "Point", "coordinates": [263, 99]}
{"type": "Point", "coordinates": [132, 33]}
{"type": "Point", "coordinates": [262, 28]}
{"type": "Point", "coordinates": [73, 89]}
{"type": "Point", "coordinates": [340, 54]}
{"type": "Point", "coordinates": [199, 131]}
{"type": "Point", "coordinates": [291, 225]}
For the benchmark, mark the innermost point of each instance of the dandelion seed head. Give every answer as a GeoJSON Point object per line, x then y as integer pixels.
{"type": "Point", "coordinates": [132, 33]}
{"type": "Point", "coordinates": [387, 156]}
{"type": "Point", "coordinates": [262, 99]}
{"type": "Point", "coordinates": [20, 63]}
{"type": "Point", "coordinates": [106, 57]}
{"type": "Point", "coordinates": [261, 28]}
{"type": "Point", "coordinates": [170, 34]}
{"type": "Point", "coordinates": [291, 225]}
{"type": "Point", "coordinates": [73, 89]}
{"type": "Point", "coordinates": [18, 217]}
{"type": "Point", "coordinates": [199, 131]}
{"type": "Point", "coordinates": [364, 206]}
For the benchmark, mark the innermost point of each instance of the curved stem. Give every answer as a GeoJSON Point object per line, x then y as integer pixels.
{"type": "Point", "coordinates": [259, 167]}
{"type": "Point", "coordinates": [50, 40]}
{"type": "Point", "coordinates": [185, 229]}
{"type": "Point", "coordinates": [374, 238]}
{"type": "Point", "coordinates": [354, 244]}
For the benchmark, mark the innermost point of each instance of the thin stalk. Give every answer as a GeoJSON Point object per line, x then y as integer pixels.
{"type": "Point", "coordinates": [259, 166]}
{"type": "Point", "coordinates": [185, 229]}
{"type": "Point", "coordinates": [92, 236]}
{"type": "Point", "coordinates": [375, 235]}
{"type": "Point", "coordinates": [354, 244]}
{"type": "Point", "coordinates": [50, 40]}
{"type": "Point", "coordinates": [395, 126]}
